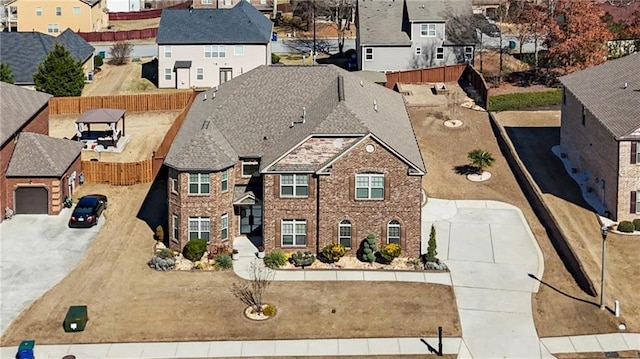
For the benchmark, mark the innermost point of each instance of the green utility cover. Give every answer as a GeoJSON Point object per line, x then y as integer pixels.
{"type": "Point", "coordinates": [26, 345]}
{"type": "Point", "coordinates": [76, 319]}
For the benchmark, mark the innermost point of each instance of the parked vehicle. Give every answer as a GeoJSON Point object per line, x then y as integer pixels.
{"type": "Point", "coordinates": [88, 210]}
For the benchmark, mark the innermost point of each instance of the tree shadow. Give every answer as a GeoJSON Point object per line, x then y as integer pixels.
{"type": "Point", "coordinates": [154, 208]}
{"type": "Point", "coordinates": [532, 276]}
{"type": "Point", "coordinates": [465, 170]}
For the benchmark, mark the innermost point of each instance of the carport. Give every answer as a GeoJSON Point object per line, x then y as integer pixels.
{"type": "Point", "coordinates": [31, 200]}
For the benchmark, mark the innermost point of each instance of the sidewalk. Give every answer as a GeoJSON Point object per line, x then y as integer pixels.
{"type": "Point", "coordinates": [593, 343]}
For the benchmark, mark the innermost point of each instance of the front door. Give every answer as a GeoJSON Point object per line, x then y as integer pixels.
{"type": "Point", "coordinates": [251, 219]}
{"type": "Point", "coordinates": [225, 75]}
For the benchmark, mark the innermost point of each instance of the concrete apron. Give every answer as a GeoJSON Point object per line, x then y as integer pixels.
{"type": "Point", "coordinates": [490, 251]}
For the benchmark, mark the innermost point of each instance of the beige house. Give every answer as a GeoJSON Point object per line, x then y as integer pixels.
{"type": "Point", "coordinates": [53, 17]}
{"type": "Point", "coordinates": [600, 132]}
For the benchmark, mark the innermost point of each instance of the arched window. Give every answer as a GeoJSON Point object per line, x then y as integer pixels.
{"type": "Point", "coordinates": [344, 233]}
{"type": "Point", "coordinates": [393, 232]}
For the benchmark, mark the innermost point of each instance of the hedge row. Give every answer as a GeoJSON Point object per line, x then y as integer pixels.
{"type": "Point", "coordinates": [523, 100]}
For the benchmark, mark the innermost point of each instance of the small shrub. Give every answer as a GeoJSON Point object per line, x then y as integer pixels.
{"type": "Point", "coordinates": [432, 251]}
{"type": "Point", "coordinates": [275, 58]}
{"type": "Point", "coordinates": [303, 259]}
{"type": "Point", "coordinates": [368, 249]}
{"type": "Point", "coordinates": [194, 249]}
{"type": "Point", "coordinates": [159, 233]}
{"type": "Point", "coordinates": [165, 253]}
{"type": "Point", "coordinates": [390, 251]}
{"type": "Point", "coordinates": [199, 265]}
{"type": "Point", "coordinates": [269, 310]}
{"type": "Point", "coordinates": [626, 227]}
{"type": "Point", "coordinates": [223, 261]}
{"type": "Point", "coordinates": [275, 259]}
{"type": "Point", "coordinates": [97, 61]}
{"type": "Point", "coordinates": [636, 223]}
{"type": "Point", "coordinates": [333, 252]}
{"type": "Point", "coordinates": [161, 264]}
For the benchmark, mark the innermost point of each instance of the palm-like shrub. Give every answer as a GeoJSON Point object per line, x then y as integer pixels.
{"type": "Point", "coordinates": [223, 261]}
{"type": "Point", "coordinates": [274, 259]}
{"type": "Point", "coordinates": [480, 159]}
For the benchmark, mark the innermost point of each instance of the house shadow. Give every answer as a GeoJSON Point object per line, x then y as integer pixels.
{"type": "Point", "coordinates": [533, 147]}
{"type": "Point", "coordinates": [154, 208]}
{"type": "Point", "coordinates": [150, 71]}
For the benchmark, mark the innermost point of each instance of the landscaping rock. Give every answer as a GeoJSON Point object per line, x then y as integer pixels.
{"type": "Point", "coordinates": [161, 264]}
{"type": "Point", "coordinates": [435, 266]}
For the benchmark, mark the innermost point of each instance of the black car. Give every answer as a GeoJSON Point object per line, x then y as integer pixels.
{"type": "Point", "coordinates": [88, 210]}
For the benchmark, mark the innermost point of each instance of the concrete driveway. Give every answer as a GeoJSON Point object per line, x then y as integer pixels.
{"type": "Point", "coordinates": [36, 252]}
{"type": "Point", "coordinates": [490, 251]}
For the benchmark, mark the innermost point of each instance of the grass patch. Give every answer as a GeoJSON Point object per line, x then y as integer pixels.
{"type": "Point", "coordinates": [519, 101]}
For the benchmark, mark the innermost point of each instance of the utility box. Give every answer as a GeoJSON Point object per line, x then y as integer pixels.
{"type": "Point", "coordinates": [76, 319]}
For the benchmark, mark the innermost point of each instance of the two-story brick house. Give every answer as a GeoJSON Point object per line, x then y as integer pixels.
{"type": "Point", "coordinates": [53, 17]}
{"type": "Point", "coordinates": [331, 158]}
{"type": "Point", "coordinates": [36, 171]}
{"type": "Point", "coordinates": [207, 47]}
{"type": "Point", "coordinates": [600, 131]}
{"type": "Point", "coordinates": [409, 34]}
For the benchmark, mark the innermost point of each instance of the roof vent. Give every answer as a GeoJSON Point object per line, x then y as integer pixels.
{"type": "Point", "coordinates": [375, 105]}
{"type": "Point", "coordinates": [361, 83]}
{"type": "Point", "coordinates": [340, 88]}
{"type": "Point", "coordinates": [625, 86]}
{"type": "Point", "coordinates": [205, 124]}
{"type": "Point", "coordinates": [204, 98]}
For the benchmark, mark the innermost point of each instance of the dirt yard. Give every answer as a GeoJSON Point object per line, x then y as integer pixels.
{"type": "Point", "coordinates": [560, 308]}
{"type": "Point", "coordinates": [128, 302]}
{"type": "Point", "coordinates": [133, 24]}
{"type": "Point", "coordinates": [121, 80]}
{"type": "Point", "coordinates": [145, 129]}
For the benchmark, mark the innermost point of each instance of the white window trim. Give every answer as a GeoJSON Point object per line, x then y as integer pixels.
{"type": "Point", "coordinates": [428, 31]}
{"type": "Point", "coordinates": [638, 152]}
{"type": "Point", "coordinates": [175, 223]}
{"type": "Point", "coordinates": [224, 179]}
{"type": "Point", "coordinates": [369, 187]}
{"type": "Point", "coordinates": [206, 2]}
{"type": "Point", "coordinates": [173, 183]}
{"type": "Point", "coordinates": [440, 55]}
{"type": "Point", "coordinates": [200, 182]}
{"type": "Point", "coordinates": [294, 223]}
{"type": "Point", "coordinates": [366, 49]}
{"type": "Point", "coordinates": [294, 185]}
{"type": "Point", "coordinates": [167, 52]}
{"type": "Point", "coordinates": [224, 227]}
{"type": "Point", "coordinates": [38, 11]}
{"type": "Point", "coordinates": [200, 74]}
{"type": "Point", "coordinates": [77, 10]}
{"type": "Point", "coordinates": [168, 75]}
{"type": "Point", "coordinates": [418, 51]}
{"type": "Point", "coordinates": [341, 225]}
{"type": "Point", "coordinates": [393, 224]}
{"type": "Point", "coordinates": [53, 28]}
{"type": "Point", "coordinates": [248, 162]}
{"type": "Point", "coordinates": [200, 222]}
{"type": "Point", "coordinates": [215, 51]}
{"type": "Point", "coordinates": [58, 13]}
{"type": "Point", "coordinates": [236, 52]}
{"type": "Point", "coordinates": [227, 2]}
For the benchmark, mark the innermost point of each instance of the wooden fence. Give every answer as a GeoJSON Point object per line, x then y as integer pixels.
{"type": "Point", "coordinates": [118, 173]}
{"type": "Point", "coordinates": [429, 75]}
{"type": "Point", "coordinates": [131, 103]}
{"type": "Point", "coordinates": [145, 14]}
{"type": "Point", "coordinates": [148, 33]}
{"type": "Point", "coordinates": [478, 82]}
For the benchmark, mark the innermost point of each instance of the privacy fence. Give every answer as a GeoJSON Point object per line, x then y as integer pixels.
{"type": "Point", "coordinates": [148, 33]}
{"type": "Point", "coordinates": [131, 103]}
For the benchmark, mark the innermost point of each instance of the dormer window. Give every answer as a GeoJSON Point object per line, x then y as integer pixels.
{"type": "Point", "coordinates": [250, 168]}
{"type": "Point", "coordinates": [428, 30]}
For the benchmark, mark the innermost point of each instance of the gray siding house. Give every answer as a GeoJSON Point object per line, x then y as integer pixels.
{"type": "Point", "coordinates": [411, 34]}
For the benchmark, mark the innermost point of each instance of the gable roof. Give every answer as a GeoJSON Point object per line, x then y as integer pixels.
{"type": "Point", "coordinates": [437, 10]}
{"type": "Point", "coordinates": [23, 51]}
{"type": "Point", "coordinates": [242, 119]}
{"type": "Point", "coordinates": [91, 2]}
{"type": "Point", "coordinates": [18, 105]}
{"type": "Point", "coordinates": [38, 155]}
{"type": "Point", "coordinates": [241, 24]}
{"type": "Point", "coordinates": [601, 90]}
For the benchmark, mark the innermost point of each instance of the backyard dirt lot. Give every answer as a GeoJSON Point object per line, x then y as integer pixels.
{"type": "Point", "coordinates": [128, 302]}
{"type": "Point", "coordinates": [560, 308]}
{"type": "Point", "coordinates": [146, 130]}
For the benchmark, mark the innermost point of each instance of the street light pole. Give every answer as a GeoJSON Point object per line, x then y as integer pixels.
{"type": "Point", "coordinates": [313, 55]}
{"type": "Point", "coordinates": [603, 231]}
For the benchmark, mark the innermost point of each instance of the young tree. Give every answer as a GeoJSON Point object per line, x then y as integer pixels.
{"type": "Point", "coordinates": [5, 73]}
{"type": "Point", "coordinates": [251, 292]}
{"type": "Point", "coordinates": [432, 249]}
{"type": "Point", "coordinates": [120, 52]}
{"type": "Point", "coordinates": [60, 74]}
{"type": "Point", "coordinates": [533, 20]}
{"type": "Point", "coordinates": [480, 159]}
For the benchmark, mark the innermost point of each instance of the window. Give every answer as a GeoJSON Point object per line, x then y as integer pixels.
{"type": "Point", "coordinates": [175, 224]}
{"type": "Point", "coordinates": [418, 51]}
{"type": "Point", "coordinates": [440, 53]}
{"type": "Point", "coordinates": [238, 50]}
{"type": "Point", "coordinates": [52, 28]}
{"type": "Point", "coordinates": [199, 227]}
{"type": "Point", "coordinates": [174, 184]}
{"type": "Point", "coordinates": [294, 232]}
{"type": "Point", "coordinates": [224, 180]}
{"type": "Point", "coordinates": [584, 115]}
{"type": "Point", "coordinates": [393, 232]}
{"type": "Point", "coordinates": [468, 52]}
{"type": "Point", "coordinates": [224, 227]}
{"type": "Point", "coordinates": [635, 147]}
{"type": "Point", "coordinates": [263, 2]}
{"type": "Point", "coordinates": [167, 74]}
{"type": "Point", "coordinates": [199, 74]}
{"type": "Point", "coordinates": [294, 185]}
{"type": "Point", "coordinates": [198, 183]}
{"type": "Point", "coordinates": [215, 51]}
{"type": "Point", "coordinates": [637, 201]}
{"type": "Point", "coordinates": [344, 234]}
{"type": "Point", "coordinates": [58, 11]}
{"type": "Point", "coordinates": [206, 2]}
{"type": "Point", "coordinates": [227, 2]}
{"type": "Point", "coordinates": [249, 168]}
{"type": "Point", "coordinates": [428, 30]}
{"type": "Point", "coordinates": [38, 11]}
{"type": "Point", "coordinates": [370, 186]}
{"type": "Point", "coordinates": [167, 52]}
{"type": "Point", "coordinates": [76, 10]}
{"type": "Point", "coordinates": [368, 54]}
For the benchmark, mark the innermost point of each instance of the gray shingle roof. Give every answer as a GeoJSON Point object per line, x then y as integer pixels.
{"type": "Point", "coordinates": [380, 23]}
{"type": "Point", "coordinates": [17, 106]}
{"type": "Point", "coordinates": [601, 90]}
{"type": "Point", "coordinates": [23, 51]}
{"type": "Point", "coordinates": [245, 119]}
{"type": "Point", "coordinates": [437, 10]}
{"type": "Point", "coordinates": [241, 24]}
{"type": "Point", "coordinates": [90, 2]}
{"type": "Point", "coordinates": [38, 155]}
{"type": "Point", "coordinates": [182, 64]}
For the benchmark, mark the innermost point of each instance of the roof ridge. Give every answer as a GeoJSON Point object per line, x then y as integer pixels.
{"type": "Point", "coordinates": [41, 149]}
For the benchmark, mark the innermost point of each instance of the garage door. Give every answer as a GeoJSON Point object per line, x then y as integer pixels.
{"type": "Point", "coordinates": [32, 200]}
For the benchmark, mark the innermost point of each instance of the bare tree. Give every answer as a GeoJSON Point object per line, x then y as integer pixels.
{"type": "Point", "coordinates": [453, 102]}
{"type": "Point", "coordinates": [120, 52]}
{"type": "Point", "coordinates": [251, 292]}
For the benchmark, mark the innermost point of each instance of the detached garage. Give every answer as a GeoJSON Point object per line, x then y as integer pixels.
{"type": "Point", "coordinates": [31, 200]}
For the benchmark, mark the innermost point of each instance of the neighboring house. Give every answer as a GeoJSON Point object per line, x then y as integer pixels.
{"type": "Point", "coordinates": [52, 17]}
{"type": "Point", "coordinates": [24, 51]}
{"type": "Point", "coordinates": [264, 6]}
{"type": "Point", "coordinates": [296, 157]}
{"type": "Point", "coordinates": [600, 131]}
{"type": "Point", "coordinates": [207, 47]}
{"type": "Point", "coordinates": [38, 171]}
{"type": "Point", "coordinates": [403, 35]}
{"type": "Point", "coordinates": [123, 5]}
